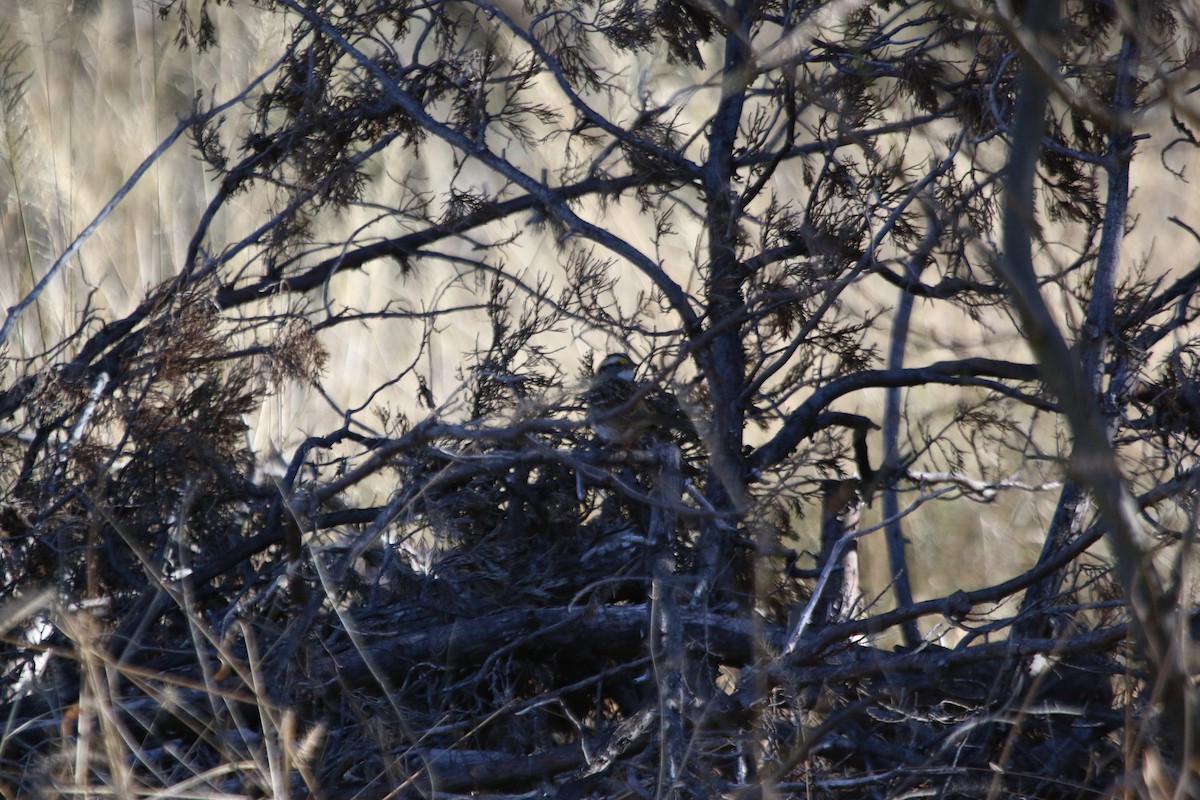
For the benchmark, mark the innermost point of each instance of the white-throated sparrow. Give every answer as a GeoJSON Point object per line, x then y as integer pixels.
{"type": "Point", "coordinates": [621, 411]}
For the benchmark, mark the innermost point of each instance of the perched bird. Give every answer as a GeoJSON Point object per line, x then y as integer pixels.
{"type": "Point", "coordinates": [621, 411]}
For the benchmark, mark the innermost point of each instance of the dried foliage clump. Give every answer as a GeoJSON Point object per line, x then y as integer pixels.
{"type": "Point", "coordinates": [449, 584]}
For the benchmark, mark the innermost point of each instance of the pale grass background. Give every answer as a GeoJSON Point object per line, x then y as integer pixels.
{"type": "Point", "coordinates": [106, 85]}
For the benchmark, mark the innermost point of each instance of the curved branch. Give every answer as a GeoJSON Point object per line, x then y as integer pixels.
{"type": "Point", "coordinates": [803, 422]}
{"type": "Point", "coordinates": [403, 248]}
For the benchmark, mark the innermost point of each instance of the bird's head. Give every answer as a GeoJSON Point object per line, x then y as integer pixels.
{"type": "Point", "coordinates": [617, 366]}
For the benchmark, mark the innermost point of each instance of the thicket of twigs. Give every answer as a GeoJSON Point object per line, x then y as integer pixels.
{"type": "Point", "coordinates": [531, 625]}
{"type": "Point", "coordinates": [478, 596]}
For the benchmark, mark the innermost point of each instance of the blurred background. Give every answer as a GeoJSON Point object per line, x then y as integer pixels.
{"type": "Point", "coordinates": [101, 83]}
